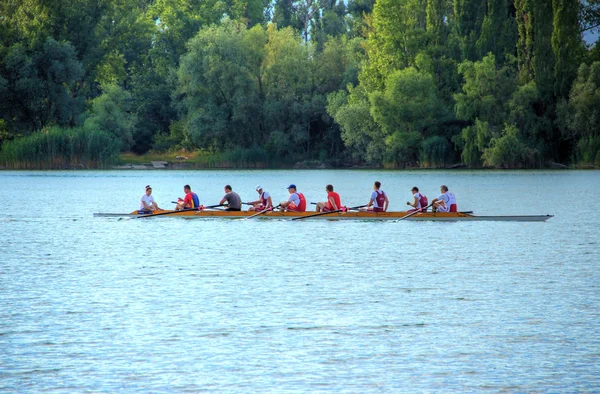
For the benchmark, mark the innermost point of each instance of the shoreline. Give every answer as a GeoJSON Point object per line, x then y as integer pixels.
{"type": "Point", "coordinates": [191, 166]}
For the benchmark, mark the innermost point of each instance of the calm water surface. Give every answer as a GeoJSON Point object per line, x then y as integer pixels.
{"type": "Point", "coordinates": [176, 305]}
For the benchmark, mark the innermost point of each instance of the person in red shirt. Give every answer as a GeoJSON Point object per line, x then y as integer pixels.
{"type": "Point", "coordinates": [333, 202]}
{"type": "Point", "coordinates": [190, 201]}
{"type": "Point", "coordinates": [296, 202]}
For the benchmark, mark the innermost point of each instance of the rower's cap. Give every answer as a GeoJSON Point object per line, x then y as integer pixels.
{"type": "Point", "coordinates": [258, 187]}
{"type": "Point", "coordinates": [291, 186]}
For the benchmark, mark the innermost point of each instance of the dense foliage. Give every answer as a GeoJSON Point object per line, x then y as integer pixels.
{"type": "Point", "coordinates": [500, 83]}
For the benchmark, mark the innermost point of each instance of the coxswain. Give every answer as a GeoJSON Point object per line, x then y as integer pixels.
{"type": "Point", "coordinates": [147, 202]}
{"type": "Point", "coordinates": [264, 200]}
{"type": "Point", "coordinates": [296, 202]}
{"type": "Point", "coordinates": [379, 201]}
{"type": "Point", "coordinates": [190, 201]}
{"type": "Point", "coordinates": [234, 202]}
{"type": "Point", "coordinates": [419, 202]}
{"type": "Point", "coordinates": [333, 202]}
{"type": "Point", "coordinates": [445, 202]}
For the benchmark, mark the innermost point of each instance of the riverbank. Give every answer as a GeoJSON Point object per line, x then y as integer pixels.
{"type": "Point", "coordinates": [204, 160]}
{"type": "Point", "coordinates": [207, 160]}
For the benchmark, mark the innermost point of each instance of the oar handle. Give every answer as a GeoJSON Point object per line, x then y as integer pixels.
{"type": "Point", "coordinates": [263, 211]}
{"type": "Point", "coordinates": [420, 210]}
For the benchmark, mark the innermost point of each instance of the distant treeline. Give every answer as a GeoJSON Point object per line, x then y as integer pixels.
{"type": "Point", "coordinates": [430, 83]}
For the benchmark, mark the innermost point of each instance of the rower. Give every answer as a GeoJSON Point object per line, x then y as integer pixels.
{"type": "Point", "coordinates": [190, 201]}
{"type": "Point", "coordinates": [379, 201]}
{"type": "Point", "coordinates": [420, 200]}
{"type": "Point", "coordinates": [147, 203]}
{"type": "Point", "coordinates": [296, 201]}
{"type": "Point", "coordinates": [333, 202]}
{"type": "Point", "coordinates": [264, 200]}
{"type": "Point", "coordinates": [445, 202]}
{"type": "Point", "coordinates": [232, 198]}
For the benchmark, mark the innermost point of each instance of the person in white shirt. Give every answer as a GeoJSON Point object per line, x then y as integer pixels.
{"type": "Point", "coordinates": [417, 196]}
{"type": "Point", "coordinates": [445, 202]}
{"type": "Point", "coordinates": [264, 200]}
{"type": "Point", "coordinates": [147, 202]}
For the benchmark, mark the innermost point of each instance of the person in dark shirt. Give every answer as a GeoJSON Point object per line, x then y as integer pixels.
{"type": "Point", "coordinates": [233, 200]}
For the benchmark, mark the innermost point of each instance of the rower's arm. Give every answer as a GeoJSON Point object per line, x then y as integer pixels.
{"type": "Point", "coordinates": [269, 202]}
{"type": "Point", "coordinates": [370, 203]}
{"type": "Point", "coordinates": [222, 201]}
{"type": "Point", "coordinates": [415, 202]}
{"type": "Point", "coordinates": [386, 204]}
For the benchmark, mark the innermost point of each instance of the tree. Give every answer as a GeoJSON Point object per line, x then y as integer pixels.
{"type": "Point", "coordinates": [498, 31]}
{"type": "Point", "coordinates": [220, 92]}
{"type": "Point", "coordinates": [486, 90]}
{"type": "Point", "coordinates": [468, 17]}
{"type": "Point", "coordinates": [359, 131]}
{"type": "Point", "coordinates": [289, 106]}
{"type": "Point", "coordinates": [583, 116]}
{"type": "Point", "coordinates": [110, 113]}
{"type": "Point", "coordinates": [566, 43]}
{"type": "Point", "coordinates": [397, 34]}
{"type": "Point", "coordinates": [406, 111]}
{"type": "Point", "coordinates": [39, 85]}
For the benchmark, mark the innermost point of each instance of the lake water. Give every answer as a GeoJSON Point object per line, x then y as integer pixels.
{"type": "Point", "coordinates": [175, 305]}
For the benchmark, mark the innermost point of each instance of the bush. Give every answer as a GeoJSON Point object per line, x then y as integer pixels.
{"type": "Point", "coordinates": [435, 151]}
{"type": "Point", "coordinates": [507, 151]}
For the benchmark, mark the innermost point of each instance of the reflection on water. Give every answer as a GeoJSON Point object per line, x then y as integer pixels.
{"type": "Point", "coordinates": [176, 305]}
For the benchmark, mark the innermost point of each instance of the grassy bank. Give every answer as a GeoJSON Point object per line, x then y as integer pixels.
{"type": "Point", "coordinates": [241, 158]}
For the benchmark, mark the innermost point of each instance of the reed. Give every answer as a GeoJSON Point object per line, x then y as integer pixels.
{"type": "Point", "coordinates": [254, 157]}
{"type": "Point", "coordinates": [59, 148]}
{"type": "Point", "coordinates": [588, 151]}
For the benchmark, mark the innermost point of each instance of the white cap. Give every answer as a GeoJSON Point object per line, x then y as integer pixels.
{"type": "Point", "coordinates": [258, 187]}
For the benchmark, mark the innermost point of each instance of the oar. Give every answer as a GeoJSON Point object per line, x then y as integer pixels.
{"type": "Point", "coordinates": [213, 207]}
{"type": "Point", "coordinates": [414, 213]}
{"type": "Point", "coordinates": [263, 211]}
{"type": "Point", "coordinates": [173, 212]}
{"type": "Point", "coordinates": [348, 209]}
{"type": "Point", "coordinates": [327, 213]}
{"type": "Point", "coordinates": [210, 206]}
{"type": "Point", "coordinates": [164, 213]}
{"type": "Point", "coordinates": [355, 208]}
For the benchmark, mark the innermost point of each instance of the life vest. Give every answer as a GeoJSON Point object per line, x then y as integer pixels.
{"type": "Point", "coordinates": [336, 198]}
{"type": "Point", "coordinates": [423, 201]}
{"type": "Point", "coordinates": [302, 206]}
{"type": "Point", "coordinates": [380, 200]}
{"type": "Point", "coordinates": [196, 200]}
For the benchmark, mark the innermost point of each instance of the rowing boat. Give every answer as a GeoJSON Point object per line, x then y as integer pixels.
{"type": "Point", "coordinates": [427, 216]}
